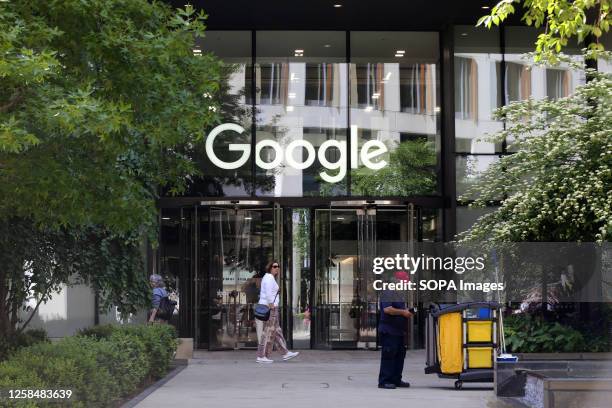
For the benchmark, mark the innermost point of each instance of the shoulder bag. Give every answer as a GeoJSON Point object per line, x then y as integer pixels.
{"type": "Point", "coordinates": [262, 312]}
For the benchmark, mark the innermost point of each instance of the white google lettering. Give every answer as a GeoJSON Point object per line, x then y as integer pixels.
{"type": "Point", "coordinates": [210, 151]}
{"type": "Point", "coordinates": [370, 150]}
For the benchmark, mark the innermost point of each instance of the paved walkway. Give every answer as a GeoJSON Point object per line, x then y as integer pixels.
{"type": "Point", "coordinates": [315, 379]}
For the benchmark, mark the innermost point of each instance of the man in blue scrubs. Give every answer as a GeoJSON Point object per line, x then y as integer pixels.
{"type": "Point", "coordinates": [391, 331]}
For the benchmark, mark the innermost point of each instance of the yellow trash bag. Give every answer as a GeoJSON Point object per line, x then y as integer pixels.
{"type": "Point", "coordinates": [450, 341]}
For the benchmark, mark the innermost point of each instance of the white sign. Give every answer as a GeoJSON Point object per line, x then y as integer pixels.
{"type": "Point", "coordinates": [369, 151]}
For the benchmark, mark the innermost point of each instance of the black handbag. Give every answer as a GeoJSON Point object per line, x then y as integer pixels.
{"type": "Point", "coordinates": [262, 312]}
{"type": "Point", "coordinates": [166, 308]}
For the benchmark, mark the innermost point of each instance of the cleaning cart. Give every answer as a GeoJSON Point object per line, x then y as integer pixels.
{"type": "Point", "coordinates": [462, 341]}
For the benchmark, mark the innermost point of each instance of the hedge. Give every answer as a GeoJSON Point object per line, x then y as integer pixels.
{"type": "Point", "coordinates": [99, 369]}
{"type": "Point", "coordinates": [9, 344]}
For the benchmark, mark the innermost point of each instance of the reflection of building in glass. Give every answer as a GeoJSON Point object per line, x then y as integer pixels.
{"type": "Point", "coordinates": [307, 95]}
{"type": "Point", "coordinates": [488, 75]}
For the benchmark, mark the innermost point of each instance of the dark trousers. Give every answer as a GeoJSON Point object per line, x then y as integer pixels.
{"type": "Point", "coordinates": [391, 359]}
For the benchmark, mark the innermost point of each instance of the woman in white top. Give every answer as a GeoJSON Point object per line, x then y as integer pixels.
{"type": "Point", "coordinates": [272, 333]}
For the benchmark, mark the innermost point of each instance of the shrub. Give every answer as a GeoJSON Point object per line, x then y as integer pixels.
{"type": "Point", "coordinates": [9, 345]}
{"type": "Point", "coordinates": [70, 364]}
{"type": "Point", "coordinates": [101, 331]}
{"type": "Point", "coordinates": [99, 365]}
{"type": "Point", "coordinates": [528, 334]}
{"type": "Point", "coordinates": [160, 343]}
{"type": "Point", "coordinates": [14, 376]}
{"type": "Point", "coordinates": [124, 356]}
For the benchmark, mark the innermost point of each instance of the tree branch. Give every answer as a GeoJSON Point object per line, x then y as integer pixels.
{"type": "Point", "coordinates": [13, 101]}
{"type": "Point", "coordinates": [23, 326]}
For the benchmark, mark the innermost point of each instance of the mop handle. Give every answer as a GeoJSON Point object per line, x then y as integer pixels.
{"type": "Point", "coordinates": [501, 327]}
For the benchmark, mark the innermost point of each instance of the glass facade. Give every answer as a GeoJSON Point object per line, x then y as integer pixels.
{"type": "Point", "coordinates": [234, 49]}
{"type": "Point", "coordinates": [311, 103]}
{"type": "Point", "coordinates": [302, 96]}
{"type": "Point", "coordinates": [322, 103]}
{"type": "Point", "coordinates": [395, 98]}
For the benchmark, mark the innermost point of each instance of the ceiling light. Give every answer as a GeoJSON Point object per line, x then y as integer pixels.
{"type": "Point", "coordinates": [400, 52]}
{"type": "Point", "coordinates": [248, 218]}
{"type": "Point", "coordinates": [327, 45]}
{"type": "Point", "coordinates": [375, 95]}
{"type": "Point", "coordinates": [165, 218]}
{"type": "Point", "coordinates": [339, 218]}
{"type": "Point", "coordinates": [399, 55]}
{"type": "Point", "coordinates": [299, 51]}
{"type": "Point", "coordinates": [337, 5]}
{"type": "Point", "coordinates": [291, 95]}
{"type": "Point", "coordinates": [464, 34]}
{"type": "Point", "coordinates": [485, 7]}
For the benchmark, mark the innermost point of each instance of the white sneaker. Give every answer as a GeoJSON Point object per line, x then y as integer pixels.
{"type": "Point", "coordinates": [264, 360]}
{"type": "Point", "coordinates": [290, 355]}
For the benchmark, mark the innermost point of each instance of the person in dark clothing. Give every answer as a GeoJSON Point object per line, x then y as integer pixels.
{"type": "Point", "coordinates": [391, 330]}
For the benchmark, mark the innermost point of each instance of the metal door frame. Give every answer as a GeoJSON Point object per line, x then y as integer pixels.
{"type": "Point", "coordinates": [206, 206]}
{"type": "Point", "coordinates": [412, 221]}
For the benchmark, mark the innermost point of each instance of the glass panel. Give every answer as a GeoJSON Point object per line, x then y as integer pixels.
{"type": "Point", "coordinates": [300, 279]}
{"type": "Point", "coordinates": [431, 225]}
{"type": "Point", "coordinates": [477, 88]}
{"type": "Point", "coordinates": [536, 81]}
{"type": "Point", "coordinates": [344, 296]}
{"type": "Point", "coordinates": [322, 308]}
{"type": "Point", "coordinates": [346, 309]}
{"type": "Point", "coordinates": [467, 216]}
{"type": "Point", "coordinates": [468, 170]}
{"type": "Point", "coordinates": [301, 113]}
{"type": "Point", "coordinates": [518, 82]}
{"type": "Point", "coordinates": [551, 82]}
{"type": "Point", "coordinates": [602, 64]}
{"type": "Point", "coordinates": [175, 263]}
{"type": "Point", "coordinates": [204, 322]}
{"type": "Point", "coordinates": [394, 99]}
{"type": "Point", "coordinates": [241, 243]}
{"type": "Point", "coordinates": [234, 49]}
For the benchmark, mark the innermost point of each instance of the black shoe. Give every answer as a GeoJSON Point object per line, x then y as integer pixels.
{"type": "Point", "coordinates": [387, 386]}
{"type": "Point", "coordinates": [403, 384]}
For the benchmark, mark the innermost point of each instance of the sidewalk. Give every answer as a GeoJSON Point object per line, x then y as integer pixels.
{"type": "Point", "coordinates": [315, 379]}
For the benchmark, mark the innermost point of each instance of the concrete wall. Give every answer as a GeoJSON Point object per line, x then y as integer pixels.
{"type": "Point", "coordinates": [72, 309]}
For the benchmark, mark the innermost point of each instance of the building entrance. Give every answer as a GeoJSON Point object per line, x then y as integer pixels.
{"type": "Point", "coordinates": [224, 248]}
{"type": "Point", "coordinates": [348, 236]}
{"type": "Point", "coordinates": [217, 251]}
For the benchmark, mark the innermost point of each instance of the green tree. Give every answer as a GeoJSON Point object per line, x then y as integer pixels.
{"type": "Point", "coordinates": [410, 171]}
{"type": "Point", "coordinates": [100, 104]}
{"type": "Point", "coordinates": [556, 187]}
{"type": "Point", "coordinates": [583, 20]}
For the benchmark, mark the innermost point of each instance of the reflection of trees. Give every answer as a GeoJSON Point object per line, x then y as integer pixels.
{"type": "Point", "coordinates": [235, 107]}
{"type": "Point", "coordinates": [466, 173]}
{"type": "Point", "coordinates": [410, 171]}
